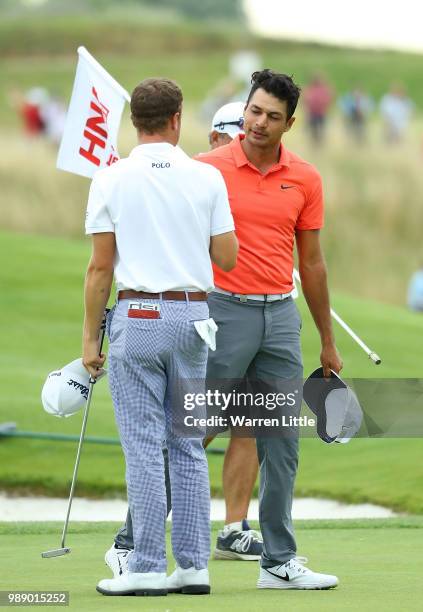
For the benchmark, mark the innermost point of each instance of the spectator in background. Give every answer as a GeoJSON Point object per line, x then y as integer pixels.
{"type": "Point", "coordinates": [415, 291]}
{"type": "Point", "coordinates": [317, 98]}
{"type": "Point", "coordinates": [42, 114]}
{"type": "Point", "coordinates": [356, 106]}
{"type": "Point", "coordinates": [30, 108]}
{"type": "Point", "coordinates": [396, 109]}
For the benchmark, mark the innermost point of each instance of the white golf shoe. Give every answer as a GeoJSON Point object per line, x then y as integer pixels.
{"type": "Point", "coordinates": [132, 583]}
{"type": "Point", "coordinates": [293, 575]}
{"type": "Point", "coordinates": [189, 581]}
{"type": "Point", "coordinates": [117, 560]}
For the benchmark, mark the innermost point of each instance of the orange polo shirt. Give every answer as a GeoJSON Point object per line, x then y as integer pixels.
{"type": "Point", "coordinates": [267, 210]}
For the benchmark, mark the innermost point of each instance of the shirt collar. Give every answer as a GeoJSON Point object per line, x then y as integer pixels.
{"type": "Point", "coordinates": [154, 147]}
{"type": "Point", "coordinates": [241, 159]}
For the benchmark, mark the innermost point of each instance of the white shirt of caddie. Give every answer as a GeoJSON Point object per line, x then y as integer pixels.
{"type": "Point", "coordinates": [162, 207]}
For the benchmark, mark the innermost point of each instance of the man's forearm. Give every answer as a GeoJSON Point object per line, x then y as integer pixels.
{"type": "Point", "coordinates": [315, 289]}
{"type": "Point", "coordinates": [98, 283]}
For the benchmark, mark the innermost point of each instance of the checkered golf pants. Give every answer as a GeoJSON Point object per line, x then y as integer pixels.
{"type": "Point", "coordinates": [146, 358]}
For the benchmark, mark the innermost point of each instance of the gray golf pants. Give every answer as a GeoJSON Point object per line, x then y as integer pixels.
{"type": "Point", "coordinates": [147, 358]}
{"type": "Point", "coordinates": [261, 341]}
{"type": "Point", "coordinates": [264, 338]}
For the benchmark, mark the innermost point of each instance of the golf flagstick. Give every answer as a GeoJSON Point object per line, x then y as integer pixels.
{"type": "Point", "coordinates": [63, 550]}
{"type": "Point", "coordinates": [371, 354]}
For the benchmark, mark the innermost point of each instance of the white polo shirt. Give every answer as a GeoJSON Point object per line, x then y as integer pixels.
{"type": "Point", "coordinates": [162, 207]}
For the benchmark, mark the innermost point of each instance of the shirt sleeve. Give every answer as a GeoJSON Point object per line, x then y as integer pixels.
{"type": "Point", "coordinates": [311, 216]}
{"type": "Point", "coordinates": [221, 216]}
{"type": "Point", "coordinates": [97, 218]}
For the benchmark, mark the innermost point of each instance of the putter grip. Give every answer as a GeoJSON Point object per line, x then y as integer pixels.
{"type": "Point", "coordinates": [103, 333]}
{"type": "Point", "coordinates": [103, 329]}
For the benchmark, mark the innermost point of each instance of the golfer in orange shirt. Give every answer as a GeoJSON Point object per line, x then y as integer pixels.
{"type": "Point", "coordinates": [276, 201]}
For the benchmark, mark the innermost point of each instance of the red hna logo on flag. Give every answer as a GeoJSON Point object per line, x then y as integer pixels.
{"type": "Point", "coordinates": [96, 130]}
{"type": "Point", "coordinates": [112, 157]}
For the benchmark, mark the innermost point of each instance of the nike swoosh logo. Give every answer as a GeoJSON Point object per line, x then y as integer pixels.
{"type": "Point", "coordinates": [287, 186]}
{"type": "Point", "coordinates": [286, 577]}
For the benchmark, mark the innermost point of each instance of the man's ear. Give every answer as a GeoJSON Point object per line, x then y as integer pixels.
{"type": "Point", "coordinates": [289, 124]}
{"type": "Point", "coordinates": [213, 138]}
{"type": "Point", "coordinates": [175, 121]}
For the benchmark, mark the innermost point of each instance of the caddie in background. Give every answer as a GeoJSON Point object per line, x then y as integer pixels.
{"type": "Point", "coordinates": [237, 541]}
{"type": "Point", "coordinates": [156, 219]}
{"type": "Point", "coordinates": [227, 122]}
{"type": "Point", "coordinates": [276, 200]}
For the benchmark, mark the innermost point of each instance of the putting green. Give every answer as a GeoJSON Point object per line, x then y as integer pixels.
{"type": "Point", "coordinates": [378, 563]}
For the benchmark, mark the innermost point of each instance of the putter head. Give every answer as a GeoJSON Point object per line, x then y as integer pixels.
{"type": "Point", "coordinates": [55, 553]}
{"type": "Point", "coordinates": [6, 428]}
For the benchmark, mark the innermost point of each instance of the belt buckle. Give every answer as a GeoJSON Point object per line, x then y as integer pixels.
{"type": "Point", "coordinates": [243, 298]}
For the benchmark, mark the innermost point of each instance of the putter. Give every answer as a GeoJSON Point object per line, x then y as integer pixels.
{"type": "Point", "coordinates": [64, 550]}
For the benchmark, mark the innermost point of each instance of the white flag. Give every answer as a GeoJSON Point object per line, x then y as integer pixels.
{"type": "Point", "coordinates": [89, 139]}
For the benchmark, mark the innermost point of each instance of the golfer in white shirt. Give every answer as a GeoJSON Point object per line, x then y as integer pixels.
{"type": "Point", "coordinates": [156, 219]}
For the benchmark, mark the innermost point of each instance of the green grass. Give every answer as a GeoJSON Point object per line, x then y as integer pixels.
{"type": "Point", "coordinates": [378, 563]}
{"type": "Point", "coordinates": [42, 311]}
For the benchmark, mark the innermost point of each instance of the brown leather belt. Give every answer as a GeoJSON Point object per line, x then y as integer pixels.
{"type": "Point", "coordinates": [179, 296]}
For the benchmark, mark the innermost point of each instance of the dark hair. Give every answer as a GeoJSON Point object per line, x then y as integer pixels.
{"type": "Point", "coordinates": [279, 85]}
{"type": "Point", "coordinates": [153, 102]}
